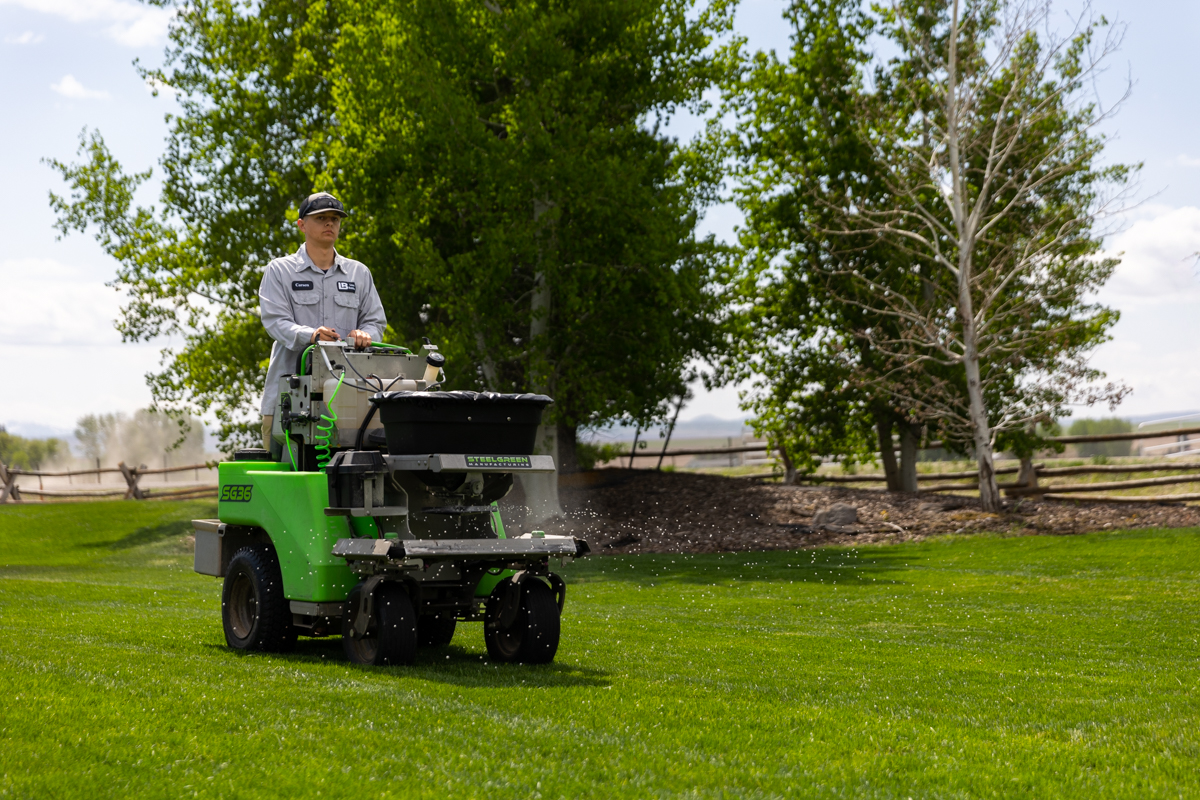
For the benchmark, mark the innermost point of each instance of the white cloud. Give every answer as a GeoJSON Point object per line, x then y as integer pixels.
{"type": "Point", "coordinates": [1159, 258]}
{"type": "Point", "coordinates": [1152, 351]}
{"type": "Point", "coordinates": [157, 87]}
{"type": "Point", "coordinates": [63, 315]}
{"type": "Point", "coordinates": [1188, 161]}
{"type": "Point", "coordinates": [62, 304]}
{"type": "Point", "coordinates": [69, 87]}
{"type": "Point", "coordinates": [129, 23]}
{"type": "Point", "coordinates": [28, 37]}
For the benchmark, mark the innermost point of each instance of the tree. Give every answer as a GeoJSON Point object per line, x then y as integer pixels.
{"type": "Point", "coordinates": [1086, 427]}
{"type": "Point", "coordinates": [988, 145]}
{"type": "Point", "coordinates": [508, 181]}
{"type": "Point", "coordinates": [502, 166]}
{"type": "Point", "coordinates": [793, 127]}
{"type": "Point", "coordinates": [92, 432]}
{"type": "Point", "coordinates": [144, 436]}
{"type": "Point", "coordinates": [23, 453]}
{"type": "Point", "coordinates": [965, 233]}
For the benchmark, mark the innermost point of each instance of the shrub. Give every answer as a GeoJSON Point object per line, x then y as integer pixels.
{"type": "Point", "coordinates": [1085, 427]}
{"type": "Point", "coordinates": [589, 454]}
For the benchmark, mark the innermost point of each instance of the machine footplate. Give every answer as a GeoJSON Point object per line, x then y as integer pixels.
{"type": "Point", "coordinates": [475, 549]}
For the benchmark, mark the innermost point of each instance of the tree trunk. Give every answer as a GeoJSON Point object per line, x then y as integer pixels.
{"type": "Point", "coordinates": [964, 223]}
{"type": "Point", "coordinates": [981, 429]}
{"type": "Point", "coordinates": [670, 431]}
{"type": "Point", "coordinates": [1027, 476]}
{"type": "Point", "coordinates": [887, 451]}
{"type": "Point", "coordinates": [910, 438]}
{"type": "Point", "coordinates": [541, 490]}
{"type": "Point", "coordinates": [989, 492]}
{"type": "Point", "coordinates": [568, 459]}
{"type": "Point", "coordinates": [789, 469]}
{"type": "Point", "coordinates": [490, 373]}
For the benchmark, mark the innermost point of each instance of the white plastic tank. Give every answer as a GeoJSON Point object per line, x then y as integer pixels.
{"type": "Point", "coordinates": [352, 403]}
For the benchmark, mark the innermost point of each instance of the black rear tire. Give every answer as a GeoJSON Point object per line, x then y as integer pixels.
{"type": "Point", "coordinates": [435, 630]}
{"type": "Point", "coordinates": [392, 634]}
{"type": "Point", "coordinates": [254, 611]}
{"type": "Point", "coordinates": [533, 636]}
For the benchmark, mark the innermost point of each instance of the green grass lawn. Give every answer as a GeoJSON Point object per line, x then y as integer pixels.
{"type": "Point", "coordinates": [969, 667]}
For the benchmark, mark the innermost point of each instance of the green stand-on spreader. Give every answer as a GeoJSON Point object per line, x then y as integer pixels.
{"type": "Point", "coordinates": [377, 519]}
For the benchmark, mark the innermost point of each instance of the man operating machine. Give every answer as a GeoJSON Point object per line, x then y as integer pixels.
{"type": "Point", "coordinates": [314, 295]}
{"type": "Point", "coordinates": [372, 512]}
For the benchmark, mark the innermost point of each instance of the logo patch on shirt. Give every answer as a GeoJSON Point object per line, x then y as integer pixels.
{"type": "Point", "coordinates": [302, 286]}
{"type": "Point", "coordinates": [345, 286]}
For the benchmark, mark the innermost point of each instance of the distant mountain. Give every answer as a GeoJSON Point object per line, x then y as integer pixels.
{"type": "Point", "coordinates": [706, 426]}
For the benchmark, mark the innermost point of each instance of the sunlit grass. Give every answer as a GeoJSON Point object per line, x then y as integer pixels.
{"type": "Point", "coordinates": [961, 667]}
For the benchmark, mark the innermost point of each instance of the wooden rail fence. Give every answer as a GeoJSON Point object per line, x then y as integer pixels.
{"type": "Point", "coordinates": [10, 492]}
{"type": "Point", "coordinates": [1034, 489]}
{"type": "Point", "coordinates": [762, 447]}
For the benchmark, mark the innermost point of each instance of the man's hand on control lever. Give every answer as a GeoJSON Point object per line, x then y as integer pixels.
{"type": "Point", "coordinates": [323, 334]}
{"type": "Point", "coordinates": [360, 340]}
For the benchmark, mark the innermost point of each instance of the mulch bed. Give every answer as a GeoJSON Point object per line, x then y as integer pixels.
{"type": "Point", "coordinates": [626, 511]}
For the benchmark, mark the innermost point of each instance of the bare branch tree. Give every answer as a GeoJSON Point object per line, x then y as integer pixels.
{"type": "Point", "coordinates": [985, 143]}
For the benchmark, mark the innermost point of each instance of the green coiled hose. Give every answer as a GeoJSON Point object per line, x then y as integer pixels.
{"type": "Point", "coordinates": [324, 435]}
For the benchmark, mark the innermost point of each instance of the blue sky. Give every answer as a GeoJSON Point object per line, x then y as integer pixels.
{"type": "Point", "coordinates": [69, 65]}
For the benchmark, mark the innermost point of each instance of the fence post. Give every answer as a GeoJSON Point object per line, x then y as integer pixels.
{"type": "Point", "coordinates": [10, 491]}
{"type": "Point", "coordinates": [132, 474]}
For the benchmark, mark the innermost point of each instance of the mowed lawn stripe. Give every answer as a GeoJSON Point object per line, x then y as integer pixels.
{"type": "Point", "coordinates": [964, 667]}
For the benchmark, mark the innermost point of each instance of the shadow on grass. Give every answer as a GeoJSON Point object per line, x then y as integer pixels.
{"type": "Point", "coordinates": [151, 534]}
{"type": "Point", "coordinates": [845, 567]}
{"type": "Point", "coordinates": [451, 664]}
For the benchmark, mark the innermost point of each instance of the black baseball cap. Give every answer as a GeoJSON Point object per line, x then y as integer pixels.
{"type": "Point", "coordinates": [321, 201]}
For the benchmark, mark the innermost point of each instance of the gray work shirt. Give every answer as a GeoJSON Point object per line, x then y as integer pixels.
{"type": "Point", "coordinates": [296, 297]}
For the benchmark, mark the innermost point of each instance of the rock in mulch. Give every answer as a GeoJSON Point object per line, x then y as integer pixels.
{"type": "Point", "coordinates": [636, 511]}
{"type": "Point", "coordinates": [838, 515]}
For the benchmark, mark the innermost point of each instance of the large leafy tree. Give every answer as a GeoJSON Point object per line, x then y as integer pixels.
{"type": "Point", "coordinates": [509, 173]}
{"type": "Point", "coordinates": [793, 129]}
{"type": "Point", "coordinates": [509, 182]}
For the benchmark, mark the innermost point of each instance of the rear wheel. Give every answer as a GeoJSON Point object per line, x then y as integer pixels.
{"type": "Point", "coordinates": [391, 636]}
{"type": "Point", "coordinates": [435, 630]}
{"type": "Point", "coordinates": [254, 612]}
{"type": "Point", "coordinates": [531, 633]}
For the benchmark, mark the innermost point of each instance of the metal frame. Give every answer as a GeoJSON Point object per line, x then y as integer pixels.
{"type": "Point", "coordinates": [457, 462]}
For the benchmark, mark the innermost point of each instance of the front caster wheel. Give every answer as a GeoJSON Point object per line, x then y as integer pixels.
{"type": "Point", "coordinates": [254, 612]}
{"type": "Point", "coordinates": [391, 636]}
{"type": "Point", "coordinates": [435, 630]}
{"type": "Point", "coordinates": [521, 622]}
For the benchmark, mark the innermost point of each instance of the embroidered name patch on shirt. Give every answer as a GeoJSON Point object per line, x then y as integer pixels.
{"type": "Point", "coordinates": [302, 286]}
{"type": "Point", "coordinates": [345, 286]}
